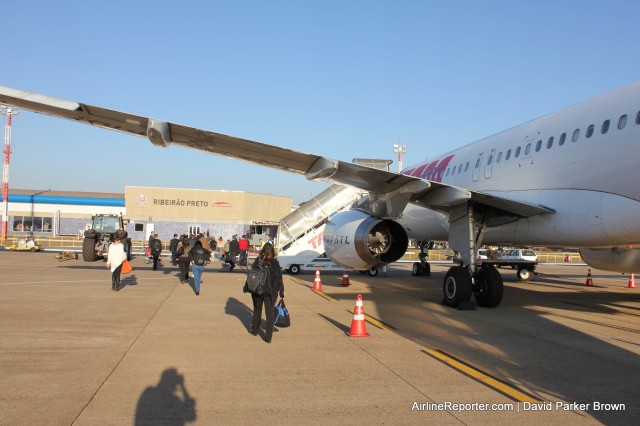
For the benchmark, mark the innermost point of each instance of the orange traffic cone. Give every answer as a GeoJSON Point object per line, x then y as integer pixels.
{"type": "Point", "coordinates": [345, 278]}
{"type": "Point", "coordinates": [589, 282]}
{"type": "Point", "coordinates": [358, 326]}
{"type": "Point", "coordinates": [317, 283]}
{"type": "Point", "coordinates": [632, 281]}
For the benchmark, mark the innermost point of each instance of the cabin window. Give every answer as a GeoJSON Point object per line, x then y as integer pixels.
{"type": "Point", "coordinates": [460, 168]}
{"type": "Point", "coordinates": [490, 160]}
{"type": "Point", "coordinates": [563, 138]}
{"type": "Point", "coordinates": [590, 131]}
{"type": "Point", "coordinates": [576, 135]}
{"type": "Point", "coordinates": [447, 174]}
{"type": "Point", "coordinates": [517, 153]}
{"type": "Point", "coordinates": [605, 126]}
{"type": "Point", "coordinates": [499, 157]}
{"type": "Point", "coordinates": [550, 142]}
{"type": "Point", "coordinates": [477, 163]}
{"type": "Point", "coordinates": [539, 145]}
{"type": "Point", "coordinates": [622, 122]}
{"type": "Point", "coordinates": [506, 158]}
{"type": "Point", "coordinates": [638, 118]}
{"type": "Point", "coordinates": [466, 166]}
{"type": "Point", "coordinates": [527, 150]}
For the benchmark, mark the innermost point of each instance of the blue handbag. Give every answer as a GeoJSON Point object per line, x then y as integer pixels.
{"type": "Point", "coordinates": [281, 316]}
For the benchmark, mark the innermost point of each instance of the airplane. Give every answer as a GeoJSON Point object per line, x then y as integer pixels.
{"type": "Point", "coordinates": [567, 179]}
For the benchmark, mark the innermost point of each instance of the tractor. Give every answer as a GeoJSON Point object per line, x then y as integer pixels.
{"type": "Point", "coordinates": [104, 229]}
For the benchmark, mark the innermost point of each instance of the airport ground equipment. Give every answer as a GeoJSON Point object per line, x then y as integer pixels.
{"type": "Point", "coordinates": [104, 229]}
{"type": "Point", "coordinates": [300, 233]}
{"type": "Point", "coordinates": [66, 255]}
{"type": "Point", "coordinates": [27, 244]}
{"type": "Point", "coordinates": [524, 261]}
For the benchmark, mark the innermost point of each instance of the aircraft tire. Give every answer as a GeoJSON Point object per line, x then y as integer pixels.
{"type": "Point", "coordinates": [457, 286]}
{"type": "Point", "coordinates": [489, 287]}
{"type": "Point", "coordinates": [373, 272]}
{"type": "Point", "coordinates": [416, 270]}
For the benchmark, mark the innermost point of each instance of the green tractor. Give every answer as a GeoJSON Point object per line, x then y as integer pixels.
{"type": "Point", "coordinates": [104, 229]}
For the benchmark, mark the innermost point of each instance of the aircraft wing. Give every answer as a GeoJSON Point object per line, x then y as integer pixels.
{"type": "Point", "coordinates": [161, 133]}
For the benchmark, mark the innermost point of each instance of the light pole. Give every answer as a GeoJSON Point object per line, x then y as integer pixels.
{"type": "Point", "coordinates": [9, 111]}
{"type": "Point", "coordinates": [400, 149]}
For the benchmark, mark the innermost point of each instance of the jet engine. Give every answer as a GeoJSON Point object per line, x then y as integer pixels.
{"type": "Point", "coordinates": [356, 240]}
{"type": "Point", "coordinates": [616, 259]}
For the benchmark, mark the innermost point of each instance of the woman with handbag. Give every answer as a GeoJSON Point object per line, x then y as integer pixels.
{"type": "Point", "coordinates": [268, 256]}
{"type": "Point", "coordinates": [115, 257]}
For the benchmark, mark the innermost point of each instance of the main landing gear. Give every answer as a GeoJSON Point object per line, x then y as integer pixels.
{"type": "Point", "coordinates": [460, 282]}
{"type": "Point", "coordinates": [485, 285]}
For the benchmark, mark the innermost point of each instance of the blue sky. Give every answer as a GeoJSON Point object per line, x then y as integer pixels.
{"type": "Point", "coordinates": [343, 79]}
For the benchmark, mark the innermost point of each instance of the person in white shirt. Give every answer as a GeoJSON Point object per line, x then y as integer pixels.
{"type": "Point", "coordinates": [114, 261]}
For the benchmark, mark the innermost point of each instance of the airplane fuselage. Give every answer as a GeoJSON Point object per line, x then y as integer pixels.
{"type": "Point", "coordinates": [581, 161]}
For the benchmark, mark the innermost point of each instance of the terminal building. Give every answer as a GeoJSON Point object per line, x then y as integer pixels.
{"type": "Point", "coordinates": [166, 211]}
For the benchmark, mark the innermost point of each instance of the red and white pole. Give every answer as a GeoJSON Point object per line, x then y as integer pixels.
{"type": "Point", "coordinates": [9, 112]}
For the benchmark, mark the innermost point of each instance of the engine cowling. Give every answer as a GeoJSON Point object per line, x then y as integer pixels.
{"type": "Point", "coordinates": [616, 259]}
{"type": "Point", "coordinates": [356, 240]}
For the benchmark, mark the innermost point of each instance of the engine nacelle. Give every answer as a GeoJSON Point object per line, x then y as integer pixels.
{"type": "Point", "coordinates": [356, 240]}
{"type": "Point", "coordinates": [616, 259]}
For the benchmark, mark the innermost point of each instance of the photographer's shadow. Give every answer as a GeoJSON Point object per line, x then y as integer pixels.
{"type": "Point", "coordinates": [168, 403]}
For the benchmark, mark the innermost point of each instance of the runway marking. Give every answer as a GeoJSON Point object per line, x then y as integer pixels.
{"type": "Point", "coordinates": [325, 295]}
{"type": "Point", "coordinates": [376, 322]}
{"type": "Point", "coordinates": [486, 379]}
{"type": "Point", "coordinates": [319, 293]}
{"type": "Point", "coordinates": [299, 281]}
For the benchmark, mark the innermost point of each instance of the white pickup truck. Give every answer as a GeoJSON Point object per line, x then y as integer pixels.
{"type": "Point", "coordinates": [523, 260]}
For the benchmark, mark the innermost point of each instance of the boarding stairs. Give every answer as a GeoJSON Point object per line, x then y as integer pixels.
{"type": "Point", "coordinates": [300, 234]}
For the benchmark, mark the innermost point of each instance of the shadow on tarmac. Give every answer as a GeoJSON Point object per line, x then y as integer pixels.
{"type": "Point", "coordinates": [534, 338]}
{"type": "Point", "coordinates": [239, 310]}
{"type": "Point", "coordinates": [167, 403]}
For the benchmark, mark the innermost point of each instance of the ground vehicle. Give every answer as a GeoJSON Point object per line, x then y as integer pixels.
{"type": "Point", "coordinates": [295, 264]}
{"type": "Point", "coordinates": [523, 260]}
{"type": "Point", "coordinates": [104, 229]}
{"type": "Point", "coordinates": [28, 244]}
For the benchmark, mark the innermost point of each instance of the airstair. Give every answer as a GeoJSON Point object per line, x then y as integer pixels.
{"type": "Point", "coordinates": [300, 234]}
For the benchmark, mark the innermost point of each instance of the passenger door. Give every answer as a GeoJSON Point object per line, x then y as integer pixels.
{"type": "Point", "coordinates": [476, 167]}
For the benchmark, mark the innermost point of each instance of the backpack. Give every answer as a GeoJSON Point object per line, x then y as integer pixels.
{"type": "Point", "coordinates": [199, 256]}
{"type": "Point", "coordinates": [259, 279]}
{"type": "Point", "coordinates": [156, 247]}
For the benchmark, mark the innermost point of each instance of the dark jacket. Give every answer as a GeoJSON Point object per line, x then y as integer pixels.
{"type": "Point", "coordinates": [234, 248]}
{"type": "Point", "coordinates": [152, 246]}
{"type": "Point", "coordinates": [275, 273]}
{"type": "Point", "coordinates": [173, 245]}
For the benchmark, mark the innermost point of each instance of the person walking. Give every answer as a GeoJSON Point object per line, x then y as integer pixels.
{"type": "Point", "coordinates": [156, 249]}
{"type": "Point", "coordinates": [243, 245]}
{"type": "Point", "coordinates": [234, 249]}
{"type": "Point", "coordinates": [173, 245]}
{"type": "Point", "coordinates": [115, 257]}
{"type": "Point", "coordinates": [198, 257]}
{"type": "Point", "coordinates": [267, 255]}
{"type": "Point", "coordinates": [182, 256]}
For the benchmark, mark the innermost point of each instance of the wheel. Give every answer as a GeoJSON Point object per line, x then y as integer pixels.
{"type": "Point", "coordinates": [89, 250]}
{"type": "Point", "coordinates": [426, 269]}
{"type": "Point", "coordinates": [525, 274]}
{"type": "Point", "coordinates": [32, 249]}
{"type": "Point", "coordinates": [416, 271]}
{"type": "Point", "coordinates": [373, 272]}
{"type": "Point", "coordinates": [457, 286]}
{"type": "Point", "coordinates": [294, 269]}
{"type": "Point", "coordinates": [489, 287]}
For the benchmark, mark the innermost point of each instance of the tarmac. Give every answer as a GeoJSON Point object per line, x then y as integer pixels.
{"type": "Point", "coordinates": [75, 352]}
